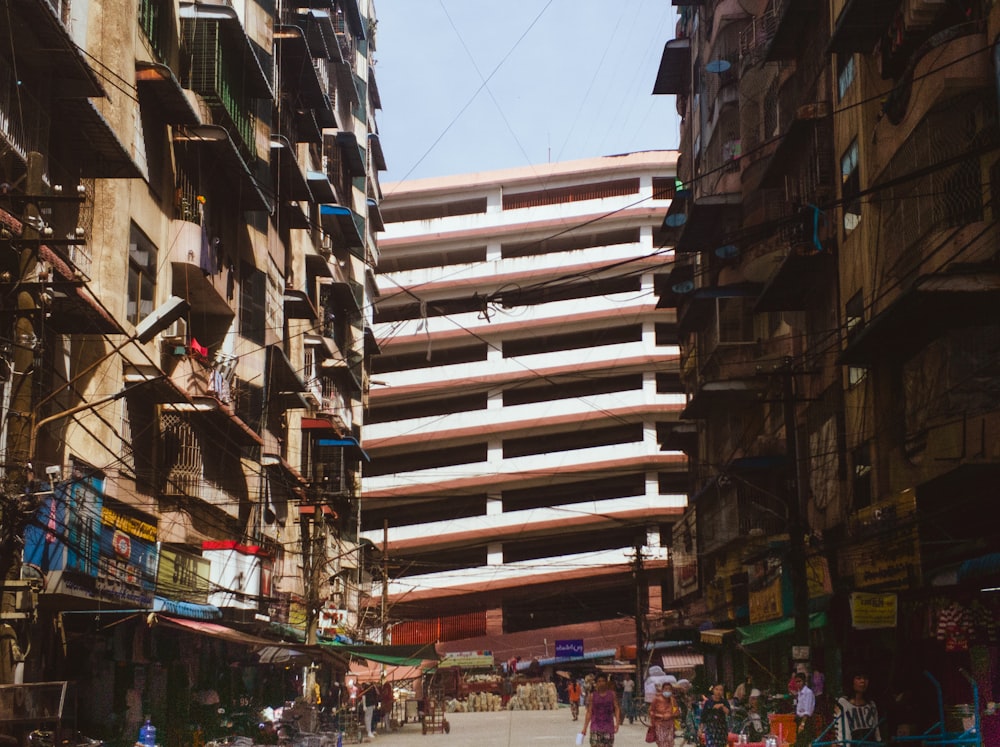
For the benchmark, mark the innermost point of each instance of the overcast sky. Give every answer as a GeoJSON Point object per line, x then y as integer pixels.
{"type": "Point", "coordinates": [471, 85]}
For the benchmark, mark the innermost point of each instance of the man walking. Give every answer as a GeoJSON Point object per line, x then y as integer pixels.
{"type": "Point", "coordinates": [805, 704]}
{"type": "Point", "coordinates": [573, 693]}
{"type": "Point", "coordinates": [628, 698]}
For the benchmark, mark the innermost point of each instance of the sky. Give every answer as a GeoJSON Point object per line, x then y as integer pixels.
{"type": "Point", "coordinates": [470, 85]}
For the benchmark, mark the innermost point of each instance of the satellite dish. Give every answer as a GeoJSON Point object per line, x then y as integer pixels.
{"type": "Point", "coordinates": [685, 286]}
{"type": "Point", "coordinates": [718, 66]}
{"type": "Point", "coordinates": [676, 220]}
{"type": "Point", "coordinates": [727, 251]}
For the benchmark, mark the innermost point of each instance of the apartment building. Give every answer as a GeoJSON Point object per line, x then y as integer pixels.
{"type": "Point", "coordinates": [835, 288]}
{"type": "Point", "coordinates": [517, 476]}
{"type": "Point", "coordinates": [190, 207]}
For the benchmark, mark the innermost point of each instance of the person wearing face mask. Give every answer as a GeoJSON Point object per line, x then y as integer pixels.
{"type": "Point", "coordinates": [662, 712]}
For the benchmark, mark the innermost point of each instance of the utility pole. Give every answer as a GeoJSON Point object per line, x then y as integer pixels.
{"type": "Point", "coordinates": [385, 581]}
{"type": "Point", "coordinates": [796, 526]}
{"type": "Point", "coordinates": [18, 506]}
{"type": "Point", "coordinates": [640, 611]}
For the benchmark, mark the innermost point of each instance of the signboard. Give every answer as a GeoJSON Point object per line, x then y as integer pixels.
{"type": "Point", "coordinates": [684, 547]}
{"type": "Point", "coordinates": [239, 574]}
{"type": "Point", "coordinates": [127, 570]}
{"type": "Point", "coordinates": [467, 659]}
{"type": "Point", "coordinates": [573, 647]}
{"type": "Point", "coordinates": [182, 575]}
{"type": "Point", "coordinates": [85, 545]}
{"type": "Point", "coordinates": [885, 545]}
{"type": "Point", "coordinates": [765, 591]}
{"type": "Point", "coordinates": [870, 611]}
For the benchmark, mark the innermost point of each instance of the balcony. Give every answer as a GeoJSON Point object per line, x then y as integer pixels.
{"type": "Point", "coordinates": [788, 22]}
{"type": "Point", "coordinates": [860, 24]}
{"type": "Point", "coordinates": [931, 306]}
{"type": "Point", "coordinates": [231, 176]}
{"type": "Point", "coordinates": [299, 76]}
{"type": "Point", "coordinates": [189, 257]}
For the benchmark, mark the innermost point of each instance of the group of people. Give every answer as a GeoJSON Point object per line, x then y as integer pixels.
{"type": "Point", "coordinates": [709, 720]}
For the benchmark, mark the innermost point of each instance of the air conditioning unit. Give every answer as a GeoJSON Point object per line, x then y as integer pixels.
{"type": "Point", "coordinates": [176, 333]}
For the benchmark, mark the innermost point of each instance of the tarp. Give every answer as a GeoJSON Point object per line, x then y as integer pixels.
{"type": "Point", "coordinates": [404, 656]}
{"type": "Point", "coordinates": [231, 635]}
{"type": "Point", "coordinates": [751, 634]}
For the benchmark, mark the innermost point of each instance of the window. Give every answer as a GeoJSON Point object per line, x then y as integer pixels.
{"type": "Point", "coordinates": [141, 275]}
{"type": "Point", "coordinates": [854, 322]}
{"type": "Point", "coordinates": [845, 74]}
{"type": "Point", "coordinates": [253, 299]}
{"type": "Point", "coordinates": [850, 187]}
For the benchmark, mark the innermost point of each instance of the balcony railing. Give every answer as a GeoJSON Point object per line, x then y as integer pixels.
{"type": "Point", "coordinates": [24, 122]}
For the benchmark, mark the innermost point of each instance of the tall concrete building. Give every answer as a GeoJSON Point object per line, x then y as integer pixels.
{"type": "Point", "coordinates": [836, 289]}
{"type": "Point", "coordinates": [517, 476]}
{"type": "Point", "coordinates": [188, 220]}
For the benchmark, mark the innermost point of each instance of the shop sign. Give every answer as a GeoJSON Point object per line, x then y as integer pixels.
{"type": "Point", "coordinates": [765, 591]}
{"type": "Point", "coordinates": [573, 647]}
{"type": "Point", "coordinates": [885, 545]}
{"type": "Point", "coordinates": [468, 659]}
{"type": "Point", "coordinates": [182, 575]}
{"type": "Point", "coordinates": [870, 611]}
{"type": "Point", "coordinates": [684, 544]}
{"type": "Point", "coordinates": [332, 621]}
{"type": "Point", "coordinates": [127, 569]}
{"type": "Point", "coordinates": [240, 575]}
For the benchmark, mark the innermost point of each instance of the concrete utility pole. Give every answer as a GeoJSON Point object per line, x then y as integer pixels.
{"type": "Point", "coordinates": [640, 611]}
{"type": "Point", "coordinates": [796, 526]}
{"type": "Point", "coordinates": [18, 507]}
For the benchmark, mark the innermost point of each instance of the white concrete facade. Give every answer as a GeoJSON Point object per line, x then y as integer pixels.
{"type": "Point", "coordinates": [522, 355]}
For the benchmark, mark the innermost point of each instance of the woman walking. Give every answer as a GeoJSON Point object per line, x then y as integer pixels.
{"type": "Point", "coordinates": [603, 715]}
{"type": "Point", "coordinates": [662, 712]}
{"type": "Point", "coordinates": [715, 718]}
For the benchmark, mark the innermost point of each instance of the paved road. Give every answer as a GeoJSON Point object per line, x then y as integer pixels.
{"type": "Point", "coordinates": [505, 729]}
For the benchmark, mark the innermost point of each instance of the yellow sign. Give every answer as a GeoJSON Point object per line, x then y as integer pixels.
{"type": "Point", "coordinates": [885, 546]}
{"type": "Point", "coordinates": [869, 611]}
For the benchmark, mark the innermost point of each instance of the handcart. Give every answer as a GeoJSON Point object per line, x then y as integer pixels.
{"type": "Point", "coordinates": [938, 734]}
{"type": "Point", "coordinates": [434, 720]}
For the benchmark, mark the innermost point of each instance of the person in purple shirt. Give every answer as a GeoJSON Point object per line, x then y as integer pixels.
{"type": "Point", "coordinates": [603, 715]}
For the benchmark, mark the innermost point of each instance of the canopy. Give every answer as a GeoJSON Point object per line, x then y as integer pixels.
{"type": "Point", "coordinates": [406, 656]}
{"type": "Point", "coordinates": [751, 634]}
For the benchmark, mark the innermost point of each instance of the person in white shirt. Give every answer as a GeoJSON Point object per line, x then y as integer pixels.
{"type": "Point", "coordinates": [805, 704]}
{"type": "Point", "coordinates": [857, 716]}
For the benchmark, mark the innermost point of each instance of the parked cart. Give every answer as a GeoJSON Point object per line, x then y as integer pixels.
{"type": "Point", "coordinates": [434, 720]}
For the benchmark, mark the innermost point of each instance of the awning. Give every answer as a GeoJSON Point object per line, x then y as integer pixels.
{"type": "Point", "coordinates": [319, 184]}
{"type": "Point", "coordinates": [797, 283]}
{"type": "Point", "coordinates": [74, 310]}
{"type": "Point", "coordinates": [716, 636]}
{"type": "Point", "coordinates": [674, 74]}
{"type": "Point", "coordinates": [298, 305]}
{"type": "Point", "coordinates": [708, 221]}
{"type": "Point", "coordinates": [292, 184]}
{"type": "Point", "coordinates": [83, 134]}
{"type": "Point", "coordinates": [860, 24]}
{"type": "Point", "coordinates": [354, 157]}
{"type": "Point", "coordinates": [339, 222]}
{"type": "Point", "coordinates": [349, 444]}
{"type": "Point", "coordinates": [752, 634]}
{"type": "Point", "coordinates": [211, 148]}
{"type": "Point", "coordinates": [410, 656]}
{"type": "Point", "coordinates": [930, 307]}
{"type": "Point", "coordinates": [298, 74]}
{"type": "Point", "coordinates": [159, 82]}
{"type": "Point", "coordinates": [378, 155]}
{"type": "Point", "coordinates": [187, 609]}
{"type": "Point", "coordinates": [41, 42]}
{"type": "Point", "coordinates": [283, 376]}
{"type": "Point", "coordinates": [721, 394]}
{"type": "Point", "coordinates": [680, 661]}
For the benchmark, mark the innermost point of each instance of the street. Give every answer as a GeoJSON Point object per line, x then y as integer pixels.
{"type": "Point", "coordinates": [505, 728]}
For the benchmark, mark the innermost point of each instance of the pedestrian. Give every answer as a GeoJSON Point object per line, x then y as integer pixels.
{"type": "Point", "coordinates": [387, 700]}
{"type": "Point", "coordinates": [805, 705]}
{"type": "Point", "coordinates": [370, 699]}
{"type": "Point", "coordinates": [743, 689]}
{"type": "Point", "coordinates": [662, 712]}
{"type": "Point", "coordinates": [573, 695]}
{"type": "Point", "coordinates": [857, 716]}
{"type": "Point", "coordinates": [628, 697]}
{"type": "Point", "coordinates": [603, 715]}
{"type": "Point", "coordinates": [715, 718]}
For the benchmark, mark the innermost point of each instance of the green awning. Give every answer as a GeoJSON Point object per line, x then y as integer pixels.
{"type": "Point", "coordinates": [751, 634]}
{"type": "Point", "coordinates": [400, 656]}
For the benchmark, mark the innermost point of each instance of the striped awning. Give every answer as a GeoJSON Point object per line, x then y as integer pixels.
{"type": "Point", "coordinates": [680, 661]}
